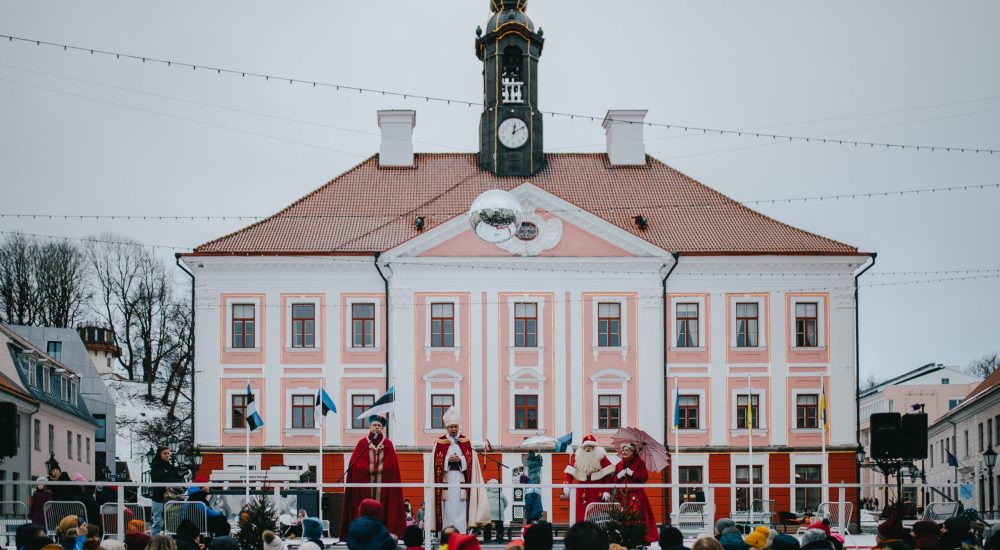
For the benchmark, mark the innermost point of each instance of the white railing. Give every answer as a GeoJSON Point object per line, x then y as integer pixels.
{"type": "Point", "coordinates": [12, 514]}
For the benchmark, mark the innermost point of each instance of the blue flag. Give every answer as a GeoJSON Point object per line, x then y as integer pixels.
{"type": "Point", "coordinates": [254, 420]}
{"type": "Point", "coordinates": [677, 405]}
{"type": "Point", "coordinates": [325, 402]}
{"type": "Point", "coordinates": [563, 442]}
{"type": "Point", "coordinates": [952, 461]}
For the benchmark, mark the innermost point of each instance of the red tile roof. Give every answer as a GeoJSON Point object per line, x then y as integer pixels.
{"type": "Point", "coordinates": [992, 380]}
{"type": "Point", "coordinates": [7, 385]}
{"type": "Point", "coordinates": [368, 209]}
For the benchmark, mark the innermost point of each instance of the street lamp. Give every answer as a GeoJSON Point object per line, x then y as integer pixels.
{"type": "Point", "coordinates": [860, 454]}
{"type": "Point", "coordinates": [990, 457]}
{"type": "Point", "coordinates": [196, 458]}
{"type": "Point", "coordinates": [150, 456]}
{"type": "Point", "coordinates": [51, 463]}
{"type": "Point", "coordinates": [173, 443]}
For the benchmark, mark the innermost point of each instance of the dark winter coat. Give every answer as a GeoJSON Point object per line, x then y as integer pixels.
{"type": "Point", "coordinates": [369, 534]}
{"type": "Point", "coordinates": [224, 543]}
{"type": "Point", "coordinates": [37, 511]}
{"type": "Point", "coordinates": [732, 541]}
{"type": "Point", "coordinates": [162, 471]}
{"type": "Point", "coordinates": [184, 543]}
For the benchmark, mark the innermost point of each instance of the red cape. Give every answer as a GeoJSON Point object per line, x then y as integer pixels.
{"type": "Point", "coordinates": [383, 465]}
{"type": "Point", "coordinates": [634, 496]}
{"type": "Point", "coordinates": [440, 450]}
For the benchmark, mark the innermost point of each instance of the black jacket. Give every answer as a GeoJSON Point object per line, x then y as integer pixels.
{"type": "Point", "coordinates": [163, 472]}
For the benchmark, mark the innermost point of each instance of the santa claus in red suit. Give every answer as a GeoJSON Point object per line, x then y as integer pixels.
{"type": "Point", "coordinates": [588, 466]}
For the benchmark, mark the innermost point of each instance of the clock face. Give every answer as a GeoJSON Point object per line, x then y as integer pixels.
{"type": "Point", "coordinates": [513, 133]}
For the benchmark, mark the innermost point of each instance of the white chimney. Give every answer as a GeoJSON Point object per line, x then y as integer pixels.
{"type": "Point", "coordinates": [623, 128]}
{"type": "Point", "coordinates": [397, 137]}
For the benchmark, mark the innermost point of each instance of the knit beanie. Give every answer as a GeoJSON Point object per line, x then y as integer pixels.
{"type": "Point", "coordinates": [785, 542]}
{"type": "Point", "coordinates": [135, 526]}
{"type": "Point", "coordinates": [312, 528]}
{"type": "Point", "coordinates": [370, 508]}
{"type": "Point", "coordinates": [822, 525]}
{"type": "Point", "coordinates": [670, 536]}
{"type": "Point", "coordinates": [926, 527]}
{"type": "Point", "coordinates": [957, 525]}
{"type": "Point", "coordinates": [890, 529]}
{"type": "Point", "coordinates": [813, 535]}
{"type": "Point", "coordinates": [188, 529]}
{"type": "Point", "coordinates": [758, 539]}
{"type": "Point", "coordinates": [271, 541]}
{"type": "Point", "coordinates": [538, 536]}
{"type": "Point", "coordinates": [724, 523]}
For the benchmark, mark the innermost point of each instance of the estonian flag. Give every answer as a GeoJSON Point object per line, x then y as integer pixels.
{"type": "Point", "coordinates": [254, 419]}
{"type": "Point", "coordinates": [325, 402]}
{"type": "Point", "coordinates": [952, 461]}
{"type": "Point", "coordinates": [381, 406]}
{"type": "Point", "coordinates": [563, 442]}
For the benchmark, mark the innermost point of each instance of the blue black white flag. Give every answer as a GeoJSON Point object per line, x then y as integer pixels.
{"type": "Point", "coordinates": [563, 442]}
{"type": "Point", "coordinates": [381, 406]}
{"type": "Point", "coordinates": [254, 419]}
{"type": "Point", "coordinates": [325, 402]}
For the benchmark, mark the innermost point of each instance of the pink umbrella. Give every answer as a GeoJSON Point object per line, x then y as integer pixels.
{"type": "Point", "coordinates": [651, 451]}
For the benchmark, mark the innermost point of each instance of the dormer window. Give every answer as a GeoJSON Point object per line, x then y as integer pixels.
{"type": "Point", "coordinates": [47, 380]}
{"type": "Point", "coordinates": [32, 373]}
{"type": "Point", "coordinates": [512, 85]}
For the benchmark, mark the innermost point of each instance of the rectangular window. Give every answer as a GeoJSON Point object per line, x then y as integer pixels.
{"type": "Point", "coordinates": [63, 388]}
{"type": "Point", "coordinates": [238, 416]}
{"type": "Point", "coordinates": [303, 325]}
{"type": "Point", "coordinates": [37, 432]}
{"type": "Point", "coordinates": [807, 411]}
{"type": "Point", "coordinates": [952, 403]}
{"type": "Point", "coordinates": [79, 448]}
{"type": "Point", "coordinates": [439, 404]}
{"type": "Point", "coordinates": [989, 432]}
{"type": "Point", "coordinates": [363, 325]}
{"type": "Point", "coordinates": [442, 325]}
{"type": "Point", "coordinates": [3, 485]}
{"type": "Point", "coordinates": [945, 380]}
{"type": "Point", "coordinates": [609, 325]}
{"type": "Point", "coordinates": [69, 445]}
{"type": "Point", "coordinates": [746, 325]}
{"type": "Point", "coordinates": [15, 477]}
{"type": "Point", "coordinates": [244, 318]}
{"type": "Point", "coordinates": [609, 411]}
{"type": "Point", "coordinates": [52, 439]}
{"type": "Point", "coordinates": [687, 412]}
{"type": "Point", "coordinates": [526, 325]}
{"type": "Point", "coordinates": [526, 412]}
{"type": "Point", "coordinates": [54, 350]}
{"type": "Point", "coordinates": [807, 498]}
{"type": "Point", "coordinates": [32, 375]}
{"type": "Point", "coordinates": [88, 450]}
{"type": "Point", "coordinates": [360, 404]}
{"type": "Point", "coordinates": [101, 434]}
{"type": "Point", "coordinates": [806, 325]}
{"type": "Point", "coordinates": [303, 412]}
{"type": "Point", "coordinates": [966, 434]}
{"type": "Point", "coordinates": [980, 439]}
{"type": "Point", "coordinates": [47, 380]}
{"type": "Point", "coordinates": [690, 476]}
{"type": "Point", "coordinates": [743, 500]}
{"type": "Point", "coordinates": [687, 325]}
{"type": "Point", "coordinates": [741, 411]}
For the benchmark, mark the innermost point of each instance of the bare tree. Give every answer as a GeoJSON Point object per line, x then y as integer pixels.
{"type": "Point", "coordinates": [870, 381]}
{"type": "Point", "coordinates": [60, 273]}
{"type": "Point", "coordinates": [18, 287]}
{"type": "Point", "coordinates": [985, 365]}
{"type": "Point", "coordinates": [115, 263]}
{"type": "Point", "coordinates": [182, 358]}
{"type": "Point", "coordinates": [153, 310]}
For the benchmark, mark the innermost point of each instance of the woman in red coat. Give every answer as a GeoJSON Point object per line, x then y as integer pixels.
{"type": "Point", "coordinates": [374, 461]}
{"type": "Point", "coordinates": [632, 472]}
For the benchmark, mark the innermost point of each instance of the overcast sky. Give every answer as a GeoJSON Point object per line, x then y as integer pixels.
{"type": "Point", "coordinates": [83, 133]}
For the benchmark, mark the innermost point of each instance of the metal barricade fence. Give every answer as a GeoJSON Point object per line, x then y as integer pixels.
{"type": "Point", "coordinates": [839, 514]}
{"type": "Point", "coordinates": [56, 510]}
{"type": "Point", "coordinates": [109, 517]}
{"type": "Point", "coordinates": [12, 515]}
{"type": "Point", "coordinates": [599, 513]}
{"type": "Point", "coordinates": [177, 511]}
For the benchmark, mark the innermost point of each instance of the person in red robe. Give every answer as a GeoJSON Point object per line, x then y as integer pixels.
{"type": "Point", "coordinates": [588, 466]}
{"type": "Point", "coordinates": [374, 461]}
{"type": "Point", "coordinates": [632, 472]}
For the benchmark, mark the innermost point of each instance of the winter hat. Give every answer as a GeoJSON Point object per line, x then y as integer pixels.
{"type": "Point", "coordinates": [78, 477]}
{"type": "Point", "coordinates": [312, 528]}
{"type": "Point", "coordinates": [890, 529]}
{"type": "Point", "coordinates": [813, 535]}
{"type": "Point", "coordinates": [271, 541]}
{"type": "Point", "coordinates": [670, 536]}
{"type": "Point", "coordinates": [822, 525]}
{"type": "Point", "coordinates": [135, 526]}
{"type": "Point", "coordinates": [370, 508]}
{"type": "Point", "coordinates": [785, 542]}
{"type": "Point", "coordinates": [589, 441]}
{"type": "Point", "coordinates": [459, 541]}
{"type": "Point", "coordinates": [724, 523]}
{"type": "Point", "coordinates": [413, 536]}
{"type": "Point", "coordinates": [42, 480]}
{"type": "Point", "coordinates": [188, 529]}
{"type": "Point", "coordinates": [111, 544]}
{"type": "Point", "coordinates": [926, 527]}
{"type": "Point", "coordinates": [957, 525]}
{"type": "Point", "coordinates": [137, 541]}
{"type": "Point", "coordinates": [758, 539]}
{"type": "Point", "coordinates": [538, 536]}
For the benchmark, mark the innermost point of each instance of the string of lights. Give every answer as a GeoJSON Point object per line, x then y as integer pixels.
{"type": "Point", "coordinates": [607, 209]}
{"type": "Point", "coordinates": [95, 240]}
{"type": "Point", "coordinates": [471, 104]}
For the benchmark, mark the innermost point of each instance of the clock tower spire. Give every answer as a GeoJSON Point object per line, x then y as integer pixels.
{"type": "Point", "coordinates": [510, 128]}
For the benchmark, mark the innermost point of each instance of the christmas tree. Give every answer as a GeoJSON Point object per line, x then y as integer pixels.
{"type": "Point", "coordinates": [625, 526]}
{"type": "Point", "coordinates": [259, 515]}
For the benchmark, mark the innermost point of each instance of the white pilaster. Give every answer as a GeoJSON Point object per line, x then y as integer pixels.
{"type": "Point", "coordinates": [332, 369]}
{"type": "Point", "coordinates": [477, 391]}
{"type": "Point", "coordinates": [779, 370]}
{"type": "Point", "coordinates": [719, 370]}
{"type": "Point", "coordinates": [576, 365]}
{"type": "Point", "coordinates": [560, 349]}
{"type": "Point", "coordinates": [274, 400]}
{"type": "Point", "coordinates": [493, 383]}
{"type": "Point", "coordinates": [403, 377]}
{"type": "Point", "coordinates": [649, 370]}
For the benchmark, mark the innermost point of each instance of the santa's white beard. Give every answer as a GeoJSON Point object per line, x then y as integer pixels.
{"type": "Point", "coordinates": [588, 462]}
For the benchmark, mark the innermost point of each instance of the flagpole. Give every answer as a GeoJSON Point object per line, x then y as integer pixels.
{"type": "Point", "coordinates": [826, 462]}
{"type": "Point", "coordinates": [319, 467]}
{"type": "Point", "coordinates": [246, 422]}
{"type": "Point", "coordinates": [677, 445]}
{"type": "Point", "coordinates": [750, 442]}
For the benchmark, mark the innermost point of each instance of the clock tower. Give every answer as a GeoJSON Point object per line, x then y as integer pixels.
{"type": "Point", "coordinates": [510, 128]}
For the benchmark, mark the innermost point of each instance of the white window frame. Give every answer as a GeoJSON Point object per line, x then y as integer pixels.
{"type": "Point", "coordinates": [378, 322]}
{"type": "Point", "coordinates": [761, 410]}
{"type": "Point", "coordinates": [526, 375]}
{"type": "Point", "coordinates": [622, 302]}
{"type": "Point", "coordinates": [739, 459]}
{"type": "Point", "coordinates": [229, 302]}
{"type": "Point", "coordinates": [47, 379]}
{"type": "Point", "coordinates": [349, 418]}
{"type": "Point", "coordinates": [71, 397]}
{"type": "Point", "coordinates": [805, 459]}
{"type": "Point", "coordinates": [64, 388]}
{"type": "Point", "coordinates": [288, 410]}
{"type": "Point", "coordinates": [540, 325]}
{"type": "Point", "coordinates": [609, 376]}
{"type": "Point", "coordinates": [702, 334]}
{"type": "Point", "coordinates": [434, 382]}
{"type": "Point", "coordinates": [820, 302]}
{"type": "Point", "coordinates": [229, 408]}
{"type": "Point", "coordinates": [761, 322]}
{"type": "Point", "coordinates": [699, 460]}
{"type": "Point", "coordinates": [32, 375]}
{"type": "Point", "coordinates": [702, 419]}
{"type": "Point", "coordinates": [88, 450]}
{"type": "Point", "coordinates": [36, 433]}
{"type": "Point", "coordinates": [457, 336]}
{"type": "Point", "coordinates": [794, 420]}
{"type": "Point", "coordinates": [294, 300]}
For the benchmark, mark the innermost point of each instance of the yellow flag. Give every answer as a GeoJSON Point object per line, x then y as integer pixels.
{"type": "Point", "coordinates": [750, 413]}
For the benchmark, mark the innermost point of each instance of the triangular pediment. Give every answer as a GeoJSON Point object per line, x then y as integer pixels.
{"type": "Point", "coordinates": [556, 229]}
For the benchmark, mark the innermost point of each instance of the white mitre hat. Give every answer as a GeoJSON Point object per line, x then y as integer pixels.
{"type": "Point", "coordinates": [451, 417]}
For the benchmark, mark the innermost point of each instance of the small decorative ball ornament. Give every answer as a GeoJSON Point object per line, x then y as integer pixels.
{"type": "Point", "coordinates": [495, 216]}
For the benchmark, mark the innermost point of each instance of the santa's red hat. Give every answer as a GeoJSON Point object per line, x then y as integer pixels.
{"type": "Point", "coordinates": [589, 440]}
